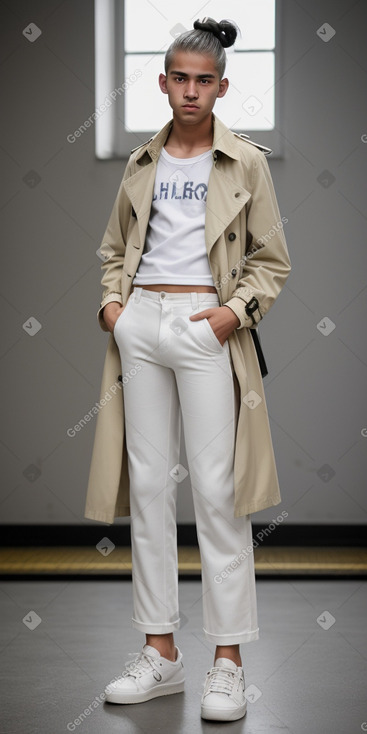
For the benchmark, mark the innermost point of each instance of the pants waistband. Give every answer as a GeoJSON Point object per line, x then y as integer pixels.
{"type": "Point", "coordinates": [191, 297]}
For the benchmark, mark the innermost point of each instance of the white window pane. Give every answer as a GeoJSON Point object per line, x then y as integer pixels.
{"type": "Point", "coordinates": [246, 106]}
{"type": "Point", "coordinates": [152, 25]}
{"type": "Point", "coordinates": [249, 102]}
{"type": "Point", "coordinates": [148, 25]}
{"type": "Point", "coordinates": [256, 20]}
{"type": "Point", "coordinates": [146, 107]}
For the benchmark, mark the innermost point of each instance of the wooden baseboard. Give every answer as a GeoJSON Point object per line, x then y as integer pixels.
{"type": "Point", "coordinates": [277, 561]}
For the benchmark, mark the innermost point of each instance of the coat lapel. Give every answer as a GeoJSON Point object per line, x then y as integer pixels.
{"type": "Point", "coordinates": [139, 189]}
{"type": "Point", "coordinates": [225, 199]}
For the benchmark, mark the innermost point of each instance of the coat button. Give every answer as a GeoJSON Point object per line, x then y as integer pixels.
{"type": "Point", "coordinates": [231, 236]}
{"type": "Point", "coordinates": [233, 272]}
{"type": "Point", "coordinates": [237, 194]}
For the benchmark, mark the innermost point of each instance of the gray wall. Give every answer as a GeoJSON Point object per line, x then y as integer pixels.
{"type": "Point", "coordinates": [55, 203]}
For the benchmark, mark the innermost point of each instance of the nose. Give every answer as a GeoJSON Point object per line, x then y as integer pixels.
{"type": "Point", "coordinates": [190, 90]}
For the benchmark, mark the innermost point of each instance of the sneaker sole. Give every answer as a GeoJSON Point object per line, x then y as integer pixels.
{"type": "Point", "coordinates": [163, 690]}
{"type": "Point", "coordinates": [223, 714]}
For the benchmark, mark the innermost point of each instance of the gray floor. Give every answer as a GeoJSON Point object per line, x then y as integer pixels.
{"type": "Point", "coordinates": [306, 676]}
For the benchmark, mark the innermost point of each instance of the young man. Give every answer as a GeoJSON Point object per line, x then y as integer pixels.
{"type": "Point", "coordinates": [193, 268]}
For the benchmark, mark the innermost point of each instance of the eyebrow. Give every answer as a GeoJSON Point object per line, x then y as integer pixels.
{"type": "Point", "coordinates": [198, 76]}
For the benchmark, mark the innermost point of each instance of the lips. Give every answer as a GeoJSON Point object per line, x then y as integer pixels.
{"type": "Point", "coordinates": [190, 107]}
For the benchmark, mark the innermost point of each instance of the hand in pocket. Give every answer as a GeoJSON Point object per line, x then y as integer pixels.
{"type": "Point", "coordinates": [111, 313]}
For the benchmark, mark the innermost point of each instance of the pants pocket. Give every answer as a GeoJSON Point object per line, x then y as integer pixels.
{"type": "Point", "coordinates": [213, 338]}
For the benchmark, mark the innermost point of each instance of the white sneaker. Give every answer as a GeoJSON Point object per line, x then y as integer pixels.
{"type": "Point", "coordinates": [223, 698]}
{"type": "Point", "coordinates": [149, 675]}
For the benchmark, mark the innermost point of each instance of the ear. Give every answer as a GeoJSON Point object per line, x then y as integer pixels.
{"type": "Point", "coordinates": [162, 81]}
{"type": "Point", "coordinates": [223, 86]}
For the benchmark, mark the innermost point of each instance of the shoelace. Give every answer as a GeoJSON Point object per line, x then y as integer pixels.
{"type": "Point", "coordinates": [140, 665]}
{"type": "Point", "coordinates": [220, 680]}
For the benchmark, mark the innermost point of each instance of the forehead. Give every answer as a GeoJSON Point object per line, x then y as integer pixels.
{"type": "Point", "coordinates": [193, 63]}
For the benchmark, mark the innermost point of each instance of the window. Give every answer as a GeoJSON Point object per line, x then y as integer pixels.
{"type": "Point", "coordinates": [131, 40]}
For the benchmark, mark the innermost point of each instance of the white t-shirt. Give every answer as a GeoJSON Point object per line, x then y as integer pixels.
{"type": "Point", "coordinates": [175, 250]}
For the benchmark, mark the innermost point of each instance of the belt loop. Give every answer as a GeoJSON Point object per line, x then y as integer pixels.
{"type": "Point", "coordinates": [194, 300]}
{"type": "Point", "coordinates": [137, 293]}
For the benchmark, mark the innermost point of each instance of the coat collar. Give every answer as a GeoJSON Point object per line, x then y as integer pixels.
{"type": "Point", "coordinates": [223, 141]}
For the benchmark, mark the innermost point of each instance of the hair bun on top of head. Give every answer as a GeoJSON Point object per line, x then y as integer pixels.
{"type": "Point", "coordinates": [225, 30]}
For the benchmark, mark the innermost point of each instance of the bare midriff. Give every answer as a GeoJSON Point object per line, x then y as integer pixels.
{"type": "Point", "coordinates": [179, 288]}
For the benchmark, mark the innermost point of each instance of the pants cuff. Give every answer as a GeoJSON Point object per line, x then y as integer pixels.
{"type": "Point", "coordinates": [156, 629]}
{"type": "Point", "coordinates": [232, 639]}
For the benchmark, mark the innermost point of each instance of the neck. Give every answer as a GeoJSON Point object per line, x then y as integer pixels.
{"type": "Point", "coordinates": [188, 136]}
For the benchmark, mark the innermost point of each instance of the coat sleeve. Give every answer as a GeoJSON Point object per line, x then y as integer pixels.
{"type": "Point", "coordinates": [267, 264]}
{"type": "Point", "coordinates": [113, 249]}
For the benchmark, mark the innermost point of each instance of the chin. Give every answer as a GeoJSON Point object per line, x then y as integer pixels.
{"type": "Point", "coordinates": [190, 117]}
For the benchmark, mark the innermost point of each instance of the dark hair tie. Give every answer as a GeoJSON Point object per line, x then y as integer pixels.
{"type": "Point", "coordinates": [225, 31]}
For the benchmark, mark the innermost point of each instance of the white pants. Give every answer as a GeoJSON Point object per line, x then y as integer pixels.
{"type": "Point", "coordinates": [172, 366]}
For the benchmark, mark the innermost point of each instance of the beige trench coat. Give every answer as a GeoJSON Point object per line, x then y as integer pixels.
{"type": "Point", "coordinates": [242, 216]}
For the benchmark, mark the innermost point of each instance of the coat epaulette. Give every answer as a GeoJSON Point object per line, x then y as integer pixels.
{"type": "Point", "coordinates": [141, 145]}
{"type": "Point", "coordinates": [245, 137]}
